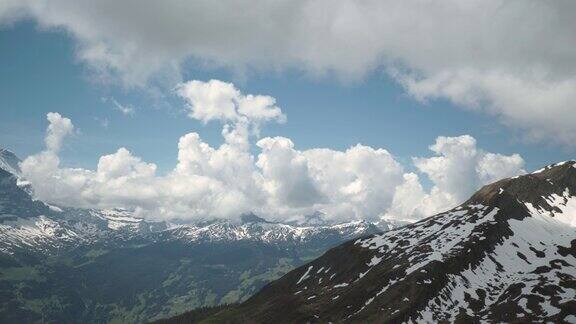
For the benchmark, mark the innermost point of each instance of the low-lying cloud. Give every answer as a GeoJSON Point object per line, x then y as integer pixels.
{"type": "Point", "coordinates": [279, 183]}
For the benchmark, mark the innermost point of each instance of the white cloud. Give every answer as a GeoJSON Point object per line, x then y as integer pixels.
{"type": "Point", "coordinates": [281, 182]}
{"type": "Point", "coordinates": [241, 114]}
{"type": "Point", "coordinates": [212, 100]}
{"type": "Point", "coordinates": [58, 128]}
{"type": "Point", "coordinates": [217, 100]}
{"type": "Point", "coordinates": [512, 59]}
{"type": "Point", "coordinates": [410, 200]}
{"type": "Point", "coordinates": [451, 170]}
{"type": "Point", "coordinates": [360, 181]}
{"type": "Point", "coordinates": [43, 167]}
{"type": "Point", "coordinates": [460, 168]}
{"type": "Point", "coordinates": [541, 105]}
{"type": "Point", "coordinates": [122, 165]}
{"type": "Point", "coordinates": [493, 167]}
{"type": "Point", "coordinates": [286, 174]}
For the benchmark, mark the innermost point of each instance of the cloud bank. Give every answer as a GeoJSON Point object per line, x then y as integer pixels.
{"type": "Point", "coordinates": [279, 183]}
{"type": "Point", "coordinates": [511, 59]}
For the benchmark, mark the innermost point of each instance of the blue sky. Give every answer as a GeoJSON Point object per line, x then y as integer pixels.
{"type": "Point", "coordinates": [39, 73]}
{"type": "Point", "coordinates": [443, 99]}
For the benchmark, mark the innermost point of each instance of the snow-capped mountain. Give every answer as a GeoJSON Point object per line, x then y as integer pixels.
{"type": "Point", "coordinates": [508, 254]}
{"type": "Point", "coordinates": [109, 265]}
{"type": "Point", "coordinates": [9, 162]}
{"type": "Point", "coordinates": [28, 223]}
{"type": "Point", "coordinates": [266, 232]}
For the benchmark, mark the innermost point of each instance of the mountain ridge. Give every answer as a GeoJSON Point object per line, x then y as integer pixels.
{"type": "Point", "coordinates": [63, 264]}
{"type": "Point", "coordinates": [507, 254]}
{"type": "Point", "coordinates": [45, 223]}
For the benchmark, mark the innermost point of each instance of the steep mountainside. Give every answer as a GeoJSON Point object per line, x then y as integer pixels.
{"type": "Point", "coordinates": [84, 265]}
{"type": "Point", "coordinates": [508, 254]}
{"type": "Point", "coordinates": [9, 162]}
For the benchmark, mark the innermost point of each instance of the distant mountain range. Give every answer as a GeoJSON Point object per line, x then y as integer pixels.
{"type": "Point", "coordinates": [507, 255]}
{"type": "Point", "coordinates": [61, 264]}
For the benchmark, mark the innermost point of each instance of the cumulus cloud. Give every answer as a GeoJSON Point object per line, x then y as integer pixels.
{"type": "Point", "coordinates": [358, 181]}
{"type": "Point", "coordinates": [450, 171]}
{"type": "Point", "coordinates": [58, 128]}
{"type": "Point", "coordinates": [122, 165]}
{"type": "Point", "coordinates": [286, 174]}
{"type": "Point", "coordinates": [43, 167]}
{"type": "Point", "coordinates": [221, 101]}
{"type": "Point", "coordinates": [492, 167]}
{"type": "Point", "coordinates": [456, 171]}
{"type": "Point", "coordinates": [459, 168]}
{"type": "Point", "coordinates": [279, 183]}
{"type": "Point", "coordinates": [510, 59]}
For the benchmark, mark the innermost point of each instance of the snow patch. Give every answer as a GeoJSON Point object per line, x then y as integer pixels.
{"type": "Point", "coordinates": [305, 276]}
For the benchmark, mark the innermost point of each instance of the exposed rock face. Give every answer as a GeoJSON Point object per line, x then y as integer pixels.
{"type": "Point", "coordinates": [508, 254]}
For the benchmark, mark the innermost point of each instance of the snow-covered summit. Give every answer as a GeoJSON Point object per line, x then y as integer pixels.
{"type": "Point", "coordinates": [268, 232]}
{"type": "Point", "coordinates": [9, 162]}
{"type": "Point", "coordinates": [26, 223]}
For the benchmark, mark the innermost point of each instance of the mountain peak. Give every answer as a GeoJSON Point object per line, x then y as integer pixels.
{"type": "Point", "coordinates": [538, 188]}
{"type": "Point", "coordinates": [557, 166]}
{"type": "Point", "coordinates": [9, 162]}
{"type": "Point", "coordinates": [252, 218]}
